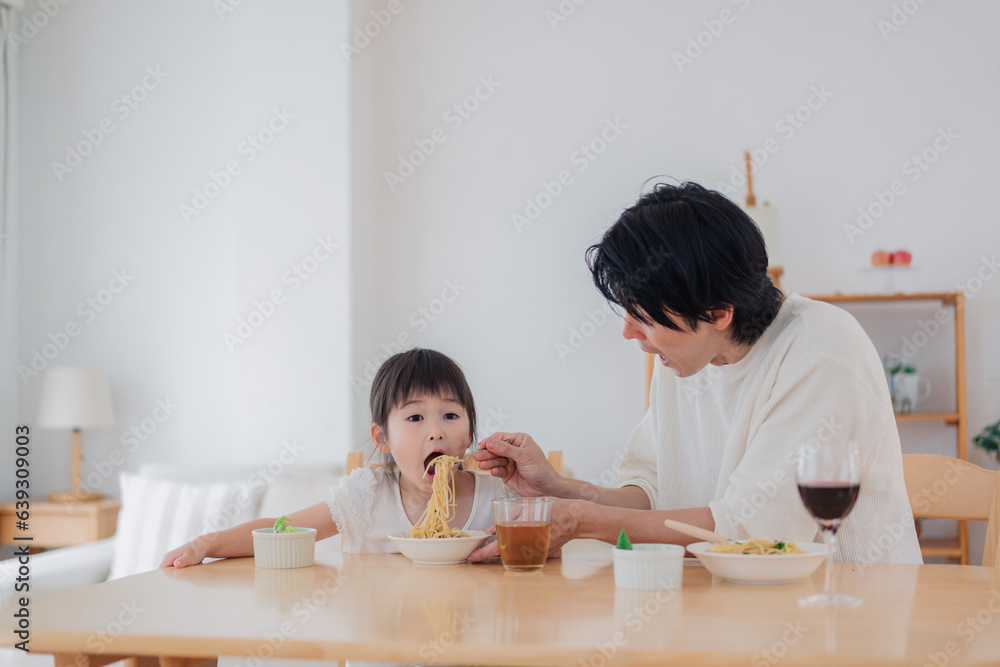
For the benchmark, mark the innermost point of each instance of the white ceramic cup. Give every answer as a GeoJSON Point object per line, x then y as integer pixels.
{"type": "Point", "coordinates": [908, 389]}
{"type": "Point", "coordinates": [284, 550]}
{"type": "Point", "coordinates": [649, 567]}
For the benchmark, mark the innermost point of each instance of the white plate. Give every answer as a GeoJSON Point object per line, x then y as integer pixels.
{"type": "Point", "coordinates": [756, 569]}
{"type": "Point", "coordinates": [441, 551]}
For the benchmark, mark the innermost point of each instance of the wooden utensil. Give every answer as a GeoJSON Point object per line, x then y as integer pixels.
{"type": "Point", "coordinates": [694, 531]}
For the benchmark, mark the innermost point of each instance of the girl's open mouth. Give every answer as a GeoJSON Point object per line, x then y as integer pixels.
{"type": "Point", "coordinates": [428, 465]}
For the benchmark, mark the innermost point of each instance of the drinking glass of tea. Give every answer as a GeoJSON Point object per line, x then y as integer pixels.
{"type": "Point", "coordinates": [524, 526]}
{"type": "Point", "coordinates": [829, 481]}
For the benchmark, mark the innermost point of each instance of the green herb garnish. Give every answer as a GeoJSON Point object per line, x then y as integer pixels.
{"type": "Point", "coordinates": [623, 542]}
{"type": "Point", "coordinates": [280, 527]}
{"type": "Point", "coordinates": [779, 545]}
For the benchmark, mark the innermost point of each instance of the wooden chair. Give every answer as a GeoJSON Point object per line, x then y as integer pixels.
{"type": "Point", "coordinates": [942, 487]}
{"type": "Point", "coordinates": [357, 459]}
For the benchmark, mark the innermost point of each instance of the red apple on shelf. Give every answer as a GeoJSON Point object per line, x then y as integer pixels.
{"type": "Point", "coordinates": [901, 258]}
{"type": "Point", "coordinates": [881, 258]}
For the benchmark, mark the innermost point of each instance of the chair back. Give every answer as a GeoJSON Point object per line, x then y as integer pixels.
{"type": "Point", "coordinates": [942, 487]}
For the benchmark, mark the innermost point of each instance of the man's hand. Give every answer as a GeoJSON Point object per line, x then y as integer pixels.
{"type": "Point", "coordinates": [566, 516]}
{"type": "Point", "coordinates": [520, 463]}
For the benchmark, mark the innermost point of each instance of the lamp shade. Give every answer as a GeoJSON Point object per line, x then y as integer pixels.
{"type": "Point", "coordinates": [75, 398]}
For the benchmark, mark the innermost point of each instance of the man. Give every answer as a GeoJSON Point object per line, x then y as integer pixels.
{"type": "Point", "coordinates": [744, 377]}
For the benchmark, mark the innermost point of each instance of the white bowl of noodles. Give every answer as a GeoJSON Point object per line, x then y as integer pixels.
{"type": "Point", "coordinates": [438, 550]}
{"type": "Point", "coordinates": [781, 568]}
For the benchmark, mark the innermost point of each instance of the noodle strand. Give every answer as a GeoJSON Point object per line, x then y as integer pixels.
{"type": "Point", "coordinates": [441, 507]}
{"type": "Point", "coordinates": [756, 547]}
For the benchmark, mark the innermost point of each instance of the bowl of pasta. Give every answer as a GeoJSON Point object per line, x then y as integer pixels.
{"type": "Point", "coordinates": [757, 561]}
{"type": "Point", "coordinates": [432, 541]}
{"type": "Point", "coordinates": [439, 550]}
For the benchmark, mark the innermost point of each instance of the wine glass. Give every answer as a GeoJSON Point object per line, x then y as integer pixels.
{"type": "Point", "coordinates": [829, 481]}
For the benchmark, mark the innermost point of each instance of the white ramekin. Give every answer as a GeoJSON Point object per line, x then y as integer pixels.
{"type": "Point", "coordinates": [284, 550]}
{"type": "Point", "coordinates": [649, 567]}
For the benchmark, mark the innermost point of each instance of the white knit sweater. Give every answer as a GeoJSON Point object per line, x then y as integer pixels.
{"type": "Point", "coordinates": [725, 437]}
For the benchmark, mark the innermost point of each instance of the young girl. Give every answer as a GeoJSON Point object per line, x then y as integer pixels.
{"type": "Point", "coordinates": [421, 408]}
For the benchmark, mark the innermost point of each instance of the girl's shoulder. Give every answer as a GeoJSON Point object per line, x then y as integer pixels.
{"type": "Point", "coordinates": [353, 500]}
{"type": "Point", "coordinates": [363, 484]}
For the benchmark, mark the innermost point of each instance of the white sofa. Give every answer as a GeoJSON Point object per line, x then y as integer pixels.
{"type": "Point", "coordinates": [74, 567]}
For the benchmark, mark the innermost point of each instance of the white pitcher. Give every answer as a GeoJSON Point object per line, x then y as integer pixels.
{"type": "Point", "coordinates": [907, 391]}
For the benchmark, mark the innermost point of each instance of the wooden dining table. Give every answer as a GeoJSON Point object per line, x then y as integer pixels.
{"type": "Point", "coordinates": [382, 607]}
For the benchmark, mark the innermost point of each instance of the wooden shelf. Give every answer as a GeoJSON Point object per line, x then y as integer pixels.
{"type": "Point", "coordinates": [943, 297]}
{"type": "Point", "coordinates": [950, 418]}
{"type": "Point", "coordinates": [957, 547]}
{"type": "Point", "coordinates": [943, 546]}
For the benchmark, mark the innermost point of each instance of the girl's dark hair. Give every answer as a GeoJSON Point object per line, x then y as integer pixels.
{"type": "Point", "coordinates": [413, 373]}
{"type": "Point", "coordinates": [688, 250]}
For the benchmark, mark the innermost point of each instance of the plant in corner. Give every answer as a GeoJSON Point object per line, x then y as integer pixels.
{"type": "Point", "coordinates": [989, 439]}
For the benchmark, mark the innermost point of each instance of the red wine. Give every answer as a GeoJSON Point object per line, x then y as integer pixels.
{"type": "Point", "coordinates": [829, 500]}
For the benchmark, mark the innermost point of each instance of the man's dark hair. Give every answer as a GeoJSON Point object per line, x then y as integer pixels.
{"type": "Point", "coordinates": [687, 250]}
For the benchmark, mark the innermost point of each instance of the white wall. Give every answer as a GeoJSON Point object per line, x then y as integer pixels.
{"type": "Point", "coordinates": [526, 291]}
{"type": "Point", "coordinates": [521, 293]}
{"type": "Point", "coordinates": [162, 336]}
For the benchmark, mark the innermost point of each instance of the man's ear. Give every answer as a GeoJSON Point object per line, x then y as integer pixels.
{"type": "Point", "coordinates": [721, 318]}
{"type": "Point", "coordinates": [378, 440]}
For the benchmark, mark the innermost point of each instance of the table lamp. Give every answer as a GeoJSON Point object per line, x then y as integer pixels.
{"type": "Point", "coordinates": [75, 398]}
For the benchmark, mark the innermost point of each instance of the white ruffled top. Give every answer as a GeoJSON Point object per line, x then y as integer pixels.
{"type": "Point", "coordinates": [366, 506]}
